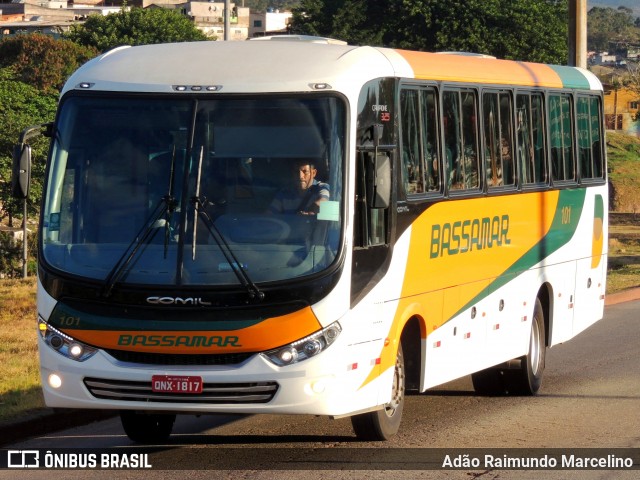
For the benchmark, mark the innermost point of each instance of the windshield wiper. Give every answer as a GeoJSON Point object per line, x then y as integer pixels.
{"type": "Point", "coordinates": [241, 274]}
{"type": "Point", "coordinates": [165, 207]}
{"type": "Point", "coordinates": [144, 236]}
{"type": "Point", "coordinates": [199, 212]}
{"type": "Point", "coordinates": [196, 205]}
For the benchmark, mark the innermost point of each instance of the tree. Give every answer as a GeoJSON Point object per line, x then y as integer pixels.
{"type": "Point", "coordinates": [257, 5]}
{"type": "Point", "coordinates": [32, 70]}
{"type": "Point", "coordinates": [41, 60]}
{"type": "Point", "coordinates": [608, 24]}
{"type": "Point", "coordinates": [315, 17]}
{"type": "Point", "coordinates": [21, 105]}
{"type": "Point", "coordinates": [136, 26]}
{"type": "Point", "coordinates": [534, 30]}
{"type": "Point", "coordinates": [262, 5]}
{"type": "Point", "coordinates": [632, 81]}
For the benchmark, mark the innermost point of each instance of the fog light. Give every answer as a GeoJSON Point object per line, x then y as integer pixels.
{"type": "Point", "coordinates": [55, 381]}
{"type": "Point", "coordinates": [319, 386]}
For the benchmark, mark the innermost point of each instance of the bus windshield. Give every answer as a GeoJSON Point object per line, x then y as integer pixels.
{"type": "Point", "coordinates": [194, 191]}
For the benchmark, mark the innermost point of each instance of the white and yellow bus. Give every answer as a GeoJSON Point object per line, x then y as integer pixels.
{"type": "Point", "coordinates": [462, 229]}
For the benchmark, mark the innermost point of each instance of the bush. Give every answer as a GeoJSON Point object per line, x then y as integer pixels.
{"type": "Point", "coordinates": [10, 256]}
{"type": "Point", "coordinates": [41, 60]}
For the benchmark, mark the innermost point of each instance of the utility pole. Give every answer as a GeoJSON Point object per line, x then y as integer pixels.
{"type": "Point", "coordinates": [227, 19]}
{"type": "Point", "coordinates": [25, 245]}
{"type": "Point", "coordinates": [578, 33]}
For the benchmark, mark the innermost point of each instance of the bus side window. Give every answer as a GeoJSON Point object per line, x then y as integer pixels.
{"type": "Point", "coordinates": [589, 145]}
{"type": "Point", "coordinates": [498, 139]}
{"type": "Point", "coordinates": [461, 139]}
{"type": "Point", "coordinates": [430, 139]}
{"type": "Point", "coordinates": [530, 136]}
{"type": "Point", "coordinates": [419, 136]}
{"type": "Point", "coordinates": [541, 174]}
{"type": "Point", "coordinates": [412, 168]}
{"type": "Point", "coordinates": [584, 140]}
{"type": "Point", "coordinates": [560, 126]}
{"type": "Point", "coordinates": [596, 137]}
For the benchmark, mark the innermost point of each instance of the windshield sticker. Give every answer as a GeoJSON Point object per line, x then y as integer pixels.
{"type": "Point", "coordinates": [54, 222]}
{"type": "Point", "coordinates": [329, 210]}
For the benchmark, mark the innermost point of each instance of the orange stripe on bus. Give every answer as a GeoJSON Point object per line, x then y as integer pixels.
{"type": "Point", "coordinates": [461, 68]}
{"type": "Point", "coordinates": [271, 333]}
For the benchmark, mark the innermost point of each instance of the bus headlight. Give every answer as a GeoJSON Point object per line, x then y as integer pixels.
{"type": "Point", "coordinates": [64, 344]}
{"type": "Point", "coordinates": [305, 348]}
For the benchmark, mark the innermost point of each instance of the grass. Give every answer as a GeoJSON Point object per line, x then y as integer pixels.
{"type": "Point", "coordinates": [20, 379]}
{"type": "Point", "coordinates": [624, 252]}
{"type": "Point", "coordinates": [623, 153]}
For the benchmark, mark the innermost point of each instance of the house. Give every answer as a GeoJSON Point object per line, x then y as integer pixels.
{"type": "Point", "coordinates": [604, 58]}
{"type": "Point", "coordinates": [47, 16]}
{"type": "Point", "coordinates": [271, 22]}
{"type": "Point", "coordinates": [53, 16]}
{"type": "Point", "coordinates": [622, 110]}
{"type": "Point", "coordinates": [209, 17]}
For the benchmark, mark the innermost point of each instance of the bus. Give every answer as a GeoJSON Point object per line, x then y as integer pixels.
{"type": "Point", "coordinates": [460, 229]}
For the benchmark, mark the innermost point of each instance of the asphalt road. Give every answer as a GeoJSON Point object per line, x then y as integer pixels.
{"type": "Point", "coordinates": [590, 398]}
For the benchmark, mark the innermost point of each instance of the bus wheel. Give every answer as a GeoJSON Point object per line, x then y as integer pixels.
{"type": "Point", "coordinates": [488, 382]}
{"type": "Point", "coordinates": [529, 377]}
{"type": "Point", "coordinates": [383, 424]}
{"type": "Point", "coordinates": [147, 428]}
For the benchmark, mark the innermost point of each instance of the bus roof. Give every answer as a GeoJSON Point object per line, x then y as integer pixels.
{"type": "Point", "coordinates": [481, 69]}
{"type": "Point", "coordinates": [300, 66]}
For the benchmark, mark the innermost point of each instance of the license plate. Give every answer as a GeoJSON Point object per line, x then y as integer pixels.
{"type": "Point", "coordinates": [176, 384]}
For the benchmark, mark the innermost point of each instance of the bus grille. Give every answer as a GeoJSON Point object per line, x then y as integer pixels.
{"type": "Point", "coordinates": [175, 359]}
{"type": "Point", "coordinates": [212, 393]}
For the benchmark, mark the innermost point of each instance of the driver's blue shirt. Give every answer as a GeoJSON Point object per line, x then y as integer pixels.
{"type": "Point", "coordinates": [292, 200]}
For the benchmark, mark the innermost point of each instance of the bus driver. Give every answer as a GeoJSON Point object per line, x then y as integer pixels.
{"type": "Point", "coordinates": [305, 196]}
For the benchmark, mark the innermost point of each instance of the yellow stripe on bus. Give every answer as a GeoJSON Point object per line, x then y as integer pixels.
{"type": "Point", "coordinates": [457, 249]}
{"type": "Point", "coordinates": [471, 242]}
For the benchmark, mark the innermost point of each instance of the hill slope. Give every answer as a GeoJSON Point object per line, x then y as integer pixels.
{"type": "Point", "coordinates": [623, 153]}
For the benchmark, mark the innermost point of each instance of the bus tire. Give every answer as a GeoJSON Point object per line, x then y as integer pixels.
{"type": "Point", "coordinates": [147, 428]}
{"type": "Point", "coordinates": [489, 382]}
{"type": "Point", "coordinates": [383, 424]}
{"type": "Point", "coordinates": [528, 378]}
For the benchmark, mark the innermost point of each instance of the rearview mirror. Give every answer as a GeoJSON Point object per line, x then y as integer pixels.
{"type": "Point", "coordinates": [379, 180]}
{"type": "Point", "coordinates": [21, 173]}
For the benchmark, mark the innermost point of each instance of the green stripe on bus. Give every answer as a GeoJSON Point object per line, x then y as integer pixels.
{"type": "Point", "coordinates": [64, 317]}
{"type": "Point", "coordinates": [599, 208]}
{"type": "Point", "coordinates": [571, 78]}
